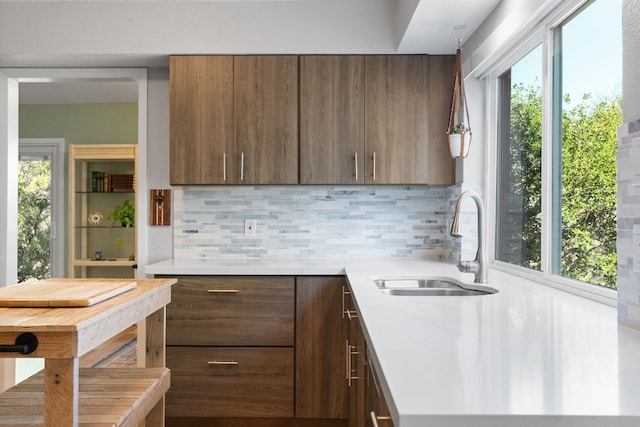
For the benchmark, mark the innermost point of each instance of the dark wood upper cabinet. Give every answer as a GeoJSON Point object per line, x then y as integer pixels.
{"type": "Point", "coordinates": [234, 120]}
{"type": "Point", "coordinates": [316, 119]}
{"type": "Point", "coordinates": [200, 118]}
{"type": "Point", "coordinates": [405, 119]}
{"type": "Point", "coordinates": [331, 119]}
{"type": "Point", "coordinates": [440, 166]}
{"type": "Point", "coordinates": [266, 119]}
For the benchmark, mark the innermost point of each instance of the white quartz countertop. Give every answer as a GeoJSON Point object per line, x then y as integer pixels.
{"type": "Point", "coordinates": [530, 355]}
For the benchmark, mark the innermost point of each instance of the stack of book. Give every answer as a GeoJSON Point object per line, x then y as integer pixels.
{"type": "Point", "coordinates": [102, 182]}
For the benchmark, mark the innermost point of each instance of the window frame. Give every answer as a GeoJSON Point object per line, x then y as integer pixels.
{"type": "Point", "coordinates": [542, 35]}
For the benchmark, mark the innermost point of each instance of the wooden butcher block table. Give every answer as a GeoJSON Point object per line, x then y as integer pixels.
{"type": "Point", "coordinates": [63, 394]}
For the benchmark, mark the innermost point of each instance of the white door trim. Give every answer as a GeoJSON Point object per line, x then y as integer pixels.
{"type": "Point", "coordinates": [139, 75]}
{"type": "Point", "coordinates": [8, 200]}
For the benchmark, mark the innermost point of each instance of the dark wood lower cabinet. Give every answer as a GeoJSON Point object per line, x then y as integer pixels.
{"type": "Point", "coordinates": [357, 372]}
{"type": "Point", "coordinates": [251, 422]}
{"type": "Point", "coordinates": [314, 372]}
{"type": "Point", "coordinates": [320, 352]}
{"type": "Point", "coordinates": [228, 381]}
{"type": "Point", "coordinates": [256, 352]}
{"type": "Point", "coordinates": [376, 405]}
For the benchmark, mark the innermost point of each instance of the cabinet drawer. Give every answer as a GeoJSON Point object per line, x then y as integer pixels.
{"type": "Point", "coordinates": [248, 382]}
{"type": "Point", "coordinates": [232, 311]}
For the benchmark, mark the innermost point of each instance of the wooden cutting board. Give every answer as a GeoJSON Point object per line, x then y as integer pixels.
{"type": "Point", "coordinates": [63, 292]}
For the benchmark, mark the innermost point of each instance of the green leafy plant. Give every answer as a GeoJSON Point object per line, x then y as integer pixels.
{"type": "Point", "coordinates": [124, 214]}
{"type": "Point", "coordinates": [457, 129]}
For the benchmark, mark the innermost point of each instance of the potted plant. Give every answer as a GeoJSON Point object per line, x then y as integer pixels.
{"type": "Point", "coordinates": [459, 140]}
{"type": "Point", "coordinates": [124, 214]}
{"type": "Point", "coordinates": [458, 130]}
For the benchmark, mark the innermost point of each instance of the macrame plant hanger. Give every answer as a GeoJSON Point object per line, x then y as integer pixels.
{"type": "Point", "coordinates": [459, 130]}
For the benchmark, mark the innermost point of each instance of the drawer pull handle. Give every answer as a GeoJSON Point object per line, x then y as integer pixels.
{"type": "Point", "coordinates": [223, 291]}
{"type": "Point", "coordinates": [351, 314]}
{"type": "Point", "coordinates": [375, 419]}
{"type": "Point", "coordinates": [222, 362]}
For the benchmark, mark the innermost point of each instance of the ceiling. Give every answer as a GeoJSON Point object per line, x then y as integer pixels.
{"type": "Point", "coordinates": [420, 26]}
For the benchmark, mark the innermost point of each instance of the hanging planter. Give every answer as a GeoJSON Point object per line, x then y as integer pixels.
{"type": "Point", "coordinates": [459, 130]}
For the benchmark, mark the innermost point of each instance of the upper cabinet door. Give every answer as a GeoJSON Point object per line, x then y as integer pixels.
{"type": "Point", "coordinates": [331, 120]}
{"type": "Point", "coordinates": [398, 121]}
{"type": "Point", "coordinates": [439, 164]}
{"type": "Point", "coordinates": [363, 120]}
{"type": "Point", "coordinates": [201, 119]}
{"type": "Point", "coordinates": [266, 119]}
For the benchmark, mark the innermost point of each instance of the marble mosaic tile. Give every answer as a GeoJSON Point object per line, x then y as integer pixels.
{"type": "Point", "coordinates": [628, 200]}
{"type": "Point", "coordinates": [313, 222]}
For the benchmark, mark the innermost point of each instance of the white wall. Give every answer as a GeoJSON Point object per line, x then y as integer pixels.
{"type": "Point", "coordinates": [63, 30]}
{"type": "Point", "coordinates": [160, 239]}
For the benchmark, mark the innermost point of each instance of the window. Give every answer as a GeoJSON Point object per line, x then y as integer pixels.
{"type": "Point", "coordinates": [562, 129]}
{"type": "Point", "coordinates": [40, 183]}
{"type": "Point", "coordinates": [520, 163]}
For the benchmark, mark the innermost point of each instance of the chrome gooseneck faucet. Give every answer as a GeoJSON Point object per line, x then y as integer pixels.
{"type": "Point", "coordinates": [479, 265]}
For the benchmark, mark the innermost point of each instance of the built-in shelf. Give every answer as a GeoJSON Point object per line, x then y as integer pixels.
{"type": "Point", "coordinates": [87, 237]}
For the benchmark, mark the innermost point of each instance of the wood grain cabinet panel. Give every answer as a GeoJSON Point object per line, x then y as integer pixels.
{"type": "Point", "coordinates": [357, 372]}
{"type": "Point", "coordinates": [405, 120]}
{"type": "Point", "coordinates": [200, 119]}
{"type": "Point", "coordinates": [230, 382]}
{"type": "Point", "coordinates": [233, 120]}
{"type": "Point", "coordinates": [439, 164]}
{"type": "Point", "coordinates": [332, 119]}
{"type": "Point", "coordinates": [266, 119]}
{"type": "Point", "coordinates": [321, 390]}
{"type": "Point", "coordinates": [352, 119]}
{"type": "Point", "coordinates": [376, 404]}
{"type": "Point", "coordinates": [377, 119]}
{"type": "Point", "coordinates": [232, 311]}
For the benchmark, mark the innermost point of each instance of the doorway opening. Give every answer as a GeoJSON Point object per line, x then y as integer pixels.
{"type": "Point", "coordinates": [10, 79]}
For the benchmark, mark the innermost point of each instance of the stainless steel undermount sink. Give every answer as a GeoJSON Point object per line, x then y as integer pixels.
{"type": "Point", "coordinates": [429, 286]}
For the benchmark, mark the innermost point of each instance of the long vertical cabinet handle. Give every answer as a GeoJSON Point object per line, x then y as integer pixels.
{"type": "Point", "coordinates": [349, 363]}
{"type": "Point", "coordinates": [242, 166]}
{"type": "Point", "coordinates": [224, 167]}
{"type": "Point", "coordinates": [375, 419]}
{"type": "Point", "coordinates": [355, 159]}
{"type": "Point", "coordinates": [374, 165]}
{"type": "Point", "coordinates": [344, 304]}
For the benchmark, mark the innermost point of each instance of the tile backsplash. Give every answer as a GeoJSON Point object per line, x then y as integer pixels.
{"type": "Point", "coordinates": [313, 222]}
{"type": "Point", "coordinates": [628, 200]}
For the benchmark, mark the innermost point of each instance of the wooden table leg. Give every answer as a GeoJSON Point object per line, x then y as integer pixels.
{"type": "Point", "coordinates": [155, 358]}
{"type": "Point", "coordinates": [61, 378]}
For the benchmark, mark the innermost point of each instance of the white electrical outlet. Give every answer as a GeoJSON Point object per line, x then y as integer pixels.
{"type": "Point", "coordinates": [636, 247]}
{"type": "Point", "coordinates": [250, 228]}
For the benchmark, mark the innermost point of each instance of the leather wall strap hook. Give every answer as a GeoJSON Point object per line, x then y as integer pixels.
{"type": "Point", "coordinates": [26, 343]}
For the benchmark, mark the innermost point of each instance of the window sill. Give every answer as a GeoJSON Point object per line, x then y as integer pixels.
{"type": "Point", "coordinates": [585, 290]}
